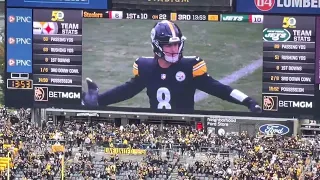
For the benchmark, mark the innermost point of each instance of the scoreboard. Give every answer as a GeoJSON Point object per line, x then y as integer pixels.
{"type": "Point", "coordinates": [44, 58]}
{"type": "Point", "coordinates": [289, 64]}
{"type": "Point", "coordinates": [173, 16]}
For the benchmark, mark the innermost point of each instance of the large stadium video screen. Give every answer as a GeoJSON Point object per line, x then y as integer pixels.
{"type": "Point", "coordinates": [111, 47]}
{"type": "Point", "coordinates": [160, 61]}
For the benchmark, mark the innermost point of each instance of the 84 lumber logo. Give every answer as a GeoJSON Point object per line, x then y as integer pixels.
{"type": "Point", "coordinates": [264, 5]}
{"type": "Point", "coordinates": [276, 35]}
{"type": "Point", "coordinates": [267, 5]}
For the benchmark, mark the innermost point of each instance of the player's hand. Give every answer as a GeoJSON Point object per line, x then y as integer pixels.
{"type": "Point", "coordinates": [253, 106]}
{"type": "Point", "coordinates": [90, 98]}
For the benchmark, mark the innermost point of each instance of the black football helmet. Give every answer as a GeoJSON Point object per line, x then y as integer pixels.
{"type": "Point", "coordinates": [166, 32]}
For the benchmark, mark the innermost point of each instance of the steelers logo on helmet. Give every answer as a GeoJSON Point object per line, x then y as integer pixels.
{"type": "Point", "coordinates": [167, 41]}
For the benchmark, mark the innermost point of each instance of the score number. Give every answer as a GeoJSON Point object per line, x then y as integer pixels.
{"type": "Point", "coordinates": [256, 19]}
{"type": "Point", "coordinates": [20, 84]}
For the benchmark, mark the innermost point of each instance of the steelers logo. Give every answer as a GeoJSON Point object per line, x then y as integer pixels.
{"type": "Point", "coordinates": [180, 76]}
{"type": "Point", "coordinates": [45, 28]}
{"type": "Point", "coordinates": [50, 28]}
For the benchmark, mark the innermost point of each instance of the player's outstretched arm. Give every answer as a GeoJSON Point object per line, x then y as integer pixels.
{"type": "Point", "coordinates": [114, 95]}
{"type": "Point", "coordinates": [206, 83]}
{"type": "Point", "coordinates": [117, 94]}
{"type": "Point", "coordinates": [123, 92]}
{"type": "Point", "coordinates": [213, 87]}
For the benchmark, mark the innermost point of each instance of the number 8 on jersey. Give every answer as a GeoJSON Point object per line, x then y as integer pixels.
{"type": "Point", "coordinates": [164, 97]}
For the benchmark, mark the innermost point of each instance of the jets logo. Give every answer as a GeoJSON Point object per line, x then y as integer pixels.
{"type": "Point", "coordinates": [264, 5]}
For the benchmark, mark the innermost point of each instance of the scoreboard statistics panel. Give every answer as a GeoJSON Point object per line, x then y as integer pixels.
{"type": "Point", "coordinates": [57, 56]}
{"type": "Point", "coordinates": [44, 61]}
{"type": "Point", "coordinates": [289, 64]}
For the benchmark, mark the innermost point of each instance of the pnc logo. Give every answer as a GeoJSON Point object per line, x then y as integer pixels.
{"type": "Point", "coordinates": [264, 5]}
{"type": "Point", "coordinates": [11, 40]}
{"type": "Point", "coordinates": [12, 19]}
{"type": "Point", "coordinates": [12, 62]}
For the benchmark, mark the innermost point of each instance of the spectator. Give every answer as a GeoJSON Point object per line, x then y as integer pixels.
{"type": "Point", "coordinates": [179, 152]}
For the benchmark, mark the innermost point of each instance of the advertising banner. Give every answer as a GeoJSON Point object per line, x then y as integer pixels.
{"type": "Point", "coordinates": [230, 125]}
{"type": "Point", "coordinates": [19, 40]}
{"type": "Point", "coordinates": [273, 129]}
{"type": "Point", "coordinates": [125, 151]}
{"type": "Point", "coordinates": [278, 6]}
{"type": "Point", "coordinates": [70, 4]}
{"type": "Point", "coordinates": [199, 5]}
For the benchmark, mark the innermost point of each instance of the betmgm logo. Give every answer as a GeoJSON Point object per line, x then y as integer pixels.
{"type": "Point", "coordinates": [272, 103]}
{"type": "Point", "coordinates": [64, 95]}
{"type": "Point", "coordinates": [43, 94]}
{"type": "Point", "coordinates": [295, 104]}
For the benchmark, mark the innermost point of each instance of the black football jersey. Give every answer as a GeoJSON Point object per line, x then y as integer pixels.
{"type": "Point", "coordinates": [171, 88]}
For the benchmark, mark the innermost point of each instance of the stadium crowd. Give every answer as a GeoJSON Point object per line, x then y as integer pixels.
{"type": "Point", "coordinates": [77, 151]}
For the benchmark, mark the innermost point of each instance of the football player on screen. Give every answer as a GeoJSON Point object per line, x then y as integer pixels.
{"type": "Point", "coordinates": [171, 79]}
